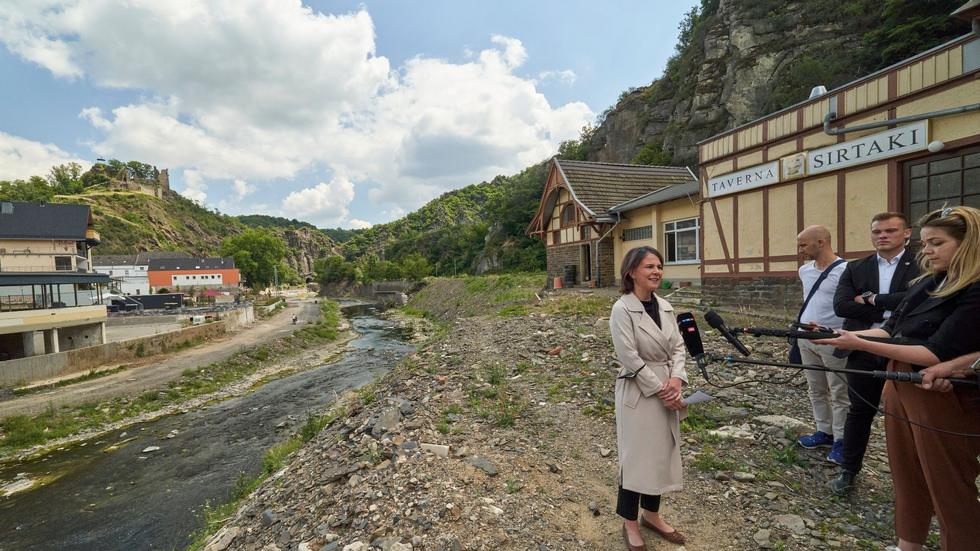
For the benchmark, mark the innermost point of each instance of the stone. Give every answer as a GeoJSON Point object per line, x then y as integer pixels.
{"type": "Point", "coordinates": [743, 477]}
{"type": "Point", "coordinates": [721, 476]}
{"type": "Point", "coordinates": [437, 449]}
{"type": "Point", "coordinates": [483, 464]}
{"type": "Point", "coordinates": [762, 539]}
{"type": "Point", "coordinates": [784, 422]}
{"type": "Point", "coordinates": [387, 422]}
{"type": "Point", "coordinates": [223, 538]}
{"type": "Point", "coordinates": [555, 351]}
{"type": "Point", "coordinates": [594, 508]}
{"type": "Point", "coordinates": [149, 449]}
{"type": "Point", "coordinates": [743, 432]}
{"type": "Point", "coordinates": [269, 517]}
{"type": "Point", "coordinates": [605, 452]}
{"type": "Point", "coordinates": [356, 546]}
{"type": "Point", "coordinates": [793, 522]}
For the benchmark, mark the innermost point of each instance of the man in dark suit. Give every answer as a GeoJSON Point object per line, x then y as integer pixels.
{"type": "Point", "coordinates": [869, 290]}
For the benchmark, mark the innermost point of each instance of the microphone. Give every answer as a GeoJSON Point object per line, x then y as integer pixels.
{"type": "Point", "coordinates": [715, 321]}
{"type": "Point", "coordinates": [692, 340]}
{"type": "Point", "coordinates": [689, 331]}
{"type": "Point", "coordinates": [763, 331]}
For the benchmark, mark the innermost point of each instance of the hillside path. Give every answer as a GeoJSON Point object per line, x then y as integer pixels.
{"type": "Point", "coordinates": [162, 369]}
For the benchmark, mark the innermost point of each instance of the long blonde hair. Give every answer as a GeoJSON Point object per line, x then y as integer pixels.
{"type": "Point", "coordinates": [963, 225]}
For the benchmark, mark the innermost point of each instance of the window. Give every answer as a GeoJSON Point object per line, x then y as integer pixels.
{"type": "Point", "coordinates": [62, 263]}
{"type": "Point", "coordinates": [643, 232]}
{"type": "Point", "coordinates": [681, 240]}
{"type": "Point", "coordinates": [568, 215]}
{"type": "Point", "coordinates": [555, 237]}
{"type": "Point", "coordinates": [949, 179]}
{"type": "Point", "coordinates": [585, 233]}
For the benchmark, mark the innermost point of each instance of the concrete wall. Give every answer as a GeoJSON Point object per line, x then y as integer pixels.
{"type": "Point", "coordinates": [38, 368]}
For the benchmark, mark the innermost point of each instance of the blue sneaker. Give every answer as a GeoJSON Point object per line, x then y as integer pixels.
{"type": "Point", "coordinates": [836, 454]}
{"type": "Point", "coordinates": [816, 440]}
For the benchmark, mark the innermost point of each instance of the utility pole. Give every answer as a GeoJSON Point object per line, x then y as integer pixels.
{"type": "Point", "coordinates": [275, 278]}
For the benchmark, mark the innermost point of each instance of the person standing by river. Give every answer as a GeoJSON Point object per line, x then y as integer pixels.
{"type": "Point", "coordinates": [649, 404]}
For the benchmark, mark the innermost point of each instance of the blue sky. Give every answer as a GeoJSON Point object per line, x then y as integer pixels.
{"type": "Point", "coordinates": [339, 113]}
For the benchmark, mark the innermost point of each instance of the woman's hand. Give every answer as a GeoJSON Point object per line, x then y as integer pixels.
{"type": "Point", "coordinates": [671, 391]}
{"type": "Point", "coordinates": [675, 405]}
{"type": "Point", "coordinates": [934, 378]}
{"type": "Point", "coordinates": [845, 339]}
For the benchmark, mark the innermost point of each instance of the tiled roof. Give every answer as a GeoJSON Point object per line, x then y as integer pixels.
{"type": "Point", "coordinates": [600, 186]}
{"type": "Point", "coordinates": [20, 220]}
{"type": "Point", "coordinates": [191, 264]}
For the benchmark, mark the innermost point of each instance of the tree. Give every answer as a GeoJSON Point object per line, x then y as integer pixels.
{"type": "Point", "coordinates": [35, 189]}
{"type": "Point", "coordinates": [66, 179]}
{"type": "Point", "coordinates": [415, 267]}
{"type": "Point", "coordinates": [257, 254]}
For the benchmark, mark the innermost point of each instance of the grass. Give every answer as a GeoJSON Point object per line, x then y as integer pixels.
{"type": "Point", "coordinates": [709, 461]}
{"type": "Point", "coordinates": [23, 431]}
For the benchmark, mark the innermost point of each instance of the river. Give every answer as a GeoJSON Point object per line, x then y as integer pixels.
{"type": "Point", "coordinates": [128, 499]}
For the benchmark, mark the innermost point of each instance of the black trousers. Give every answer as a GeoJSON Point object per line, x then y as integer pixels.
{"type": "Point", "coordinates": [628, 503]}
{"type": "Point", "coordinates": [865, 394]}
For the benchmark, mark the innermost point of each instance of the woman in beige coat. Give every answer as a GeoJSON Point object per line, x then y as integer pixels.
{"type": "Point", "coordinates": [649, 405]}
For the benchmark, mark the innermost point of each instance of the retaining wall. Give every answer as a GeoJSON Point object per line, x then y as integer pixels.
{"type": "Point", "coordinates": [48, 366]}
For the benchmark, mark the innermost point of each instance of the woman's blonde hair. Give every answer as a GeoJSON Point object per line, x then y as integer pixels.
{"type": "Point", "coordinates": [963, 225]}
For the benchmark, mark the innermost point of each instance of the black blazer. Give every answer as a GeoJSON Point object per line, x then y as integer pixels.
{"type": "Point", "coordinates": [862, 275]}
{"type": "Point", "coordinates": [947, 326]}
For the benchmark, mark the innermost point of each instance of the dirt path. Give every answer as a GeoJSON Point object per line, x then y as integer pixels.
{"type": "Point", "coordinates": [161, 370]}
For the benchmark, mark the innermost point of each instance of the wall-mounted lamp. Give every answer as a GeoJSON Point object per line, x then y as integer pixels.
{"type": "Point", "coordinates": [935, 146]}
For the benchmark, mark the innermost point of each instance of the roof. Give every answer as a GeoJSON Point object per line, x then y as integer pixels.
{"type": "Point", "coordinates": [661, 195]}
{"type": "Point", "coordinates": [138, 259]}
{"type": "Point", "coordinates": [44, 221]}
{"type": "Point", "coordinates": [601, 186]}
{"type": "Point", "coordinates": [42, 278]}
{"type": "Point", "coordinates": [114, 260]}
{"type": "Point", "coordinates": [192, 263]}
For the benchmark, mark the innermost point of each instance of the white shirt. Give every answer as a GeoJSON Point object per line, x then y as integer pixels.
{"type": "Point", "coordinates": [821, 307]}
{"type": "Point", "coordinates": [886, 271]}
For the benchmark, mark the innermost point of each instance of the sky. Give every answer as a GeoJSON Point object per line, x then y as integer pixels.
{"type": "Point", "coordinates": [338, 113]}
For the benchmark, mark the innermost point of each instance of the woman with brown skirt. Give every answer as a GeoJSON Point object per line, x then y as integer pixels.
{"type": "Point", "coordinates": [933, 438]}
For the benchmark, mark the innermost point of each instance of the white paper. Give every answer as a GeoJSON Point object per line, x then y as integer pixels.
{"type": "Point", "coordinates": [698, 397]}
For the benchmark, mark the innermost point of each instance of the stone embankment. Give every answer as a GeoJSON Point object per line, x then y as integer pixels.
{"type": "Point", "coordinates": [499, 434]}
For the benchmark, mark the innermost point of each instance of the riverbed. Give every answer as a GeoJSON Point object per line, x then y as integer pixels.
{"type": "Point", "coordinates": [144, 487]}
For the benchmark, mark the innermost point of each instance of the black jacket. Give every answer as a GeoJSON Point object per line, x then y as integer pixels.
{"type": "Point", "coordinates": [862, 275]}
{"type": "Point", "coordinates": [947, 326]}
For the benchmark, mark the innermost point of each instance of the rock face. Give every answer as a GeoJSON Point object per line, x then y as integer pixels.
{"type": "Point", "coordinates": [742, 59]}
{"type": "Point", "coordinates": [304, 246]}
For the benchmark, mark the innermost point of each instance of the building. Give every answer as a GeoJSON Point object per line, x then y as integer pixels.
{"type": "Point", "coordinates": [128, 274]}
{"type": "Point", "coordinates": [158, 186]}
{"type": "Point", "coordinates": [180, 274]}
{"type": "Point", "coordinates": [590, 213]}
{"type": "Point", "coordinates": [50, 300]}
{"type": "Point", "coordinates": [906, 138]}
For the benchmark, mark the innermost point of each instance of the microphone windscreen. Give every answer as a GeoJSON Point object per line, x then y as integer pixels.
{"type": "Point", "coordinates": [713, 319]}
{"type": "Point", "coordinates": [689, 332]}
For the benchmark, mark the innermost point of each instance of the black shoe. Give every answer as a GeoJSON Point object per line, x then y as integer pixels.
{"type": "Point", "coordinates": [842, 484]}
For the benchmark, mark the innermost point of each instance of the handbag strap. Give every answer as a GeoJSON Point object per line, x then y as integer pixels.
{"type": "Point", "coordinates": [813, 291]}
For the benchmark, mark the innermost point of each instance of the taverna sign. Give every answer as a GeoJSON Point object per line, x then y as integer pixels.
{"type": "Point", "coordinates": [866, 149]}
{"type": "Point", "coordinates": [741, 180]}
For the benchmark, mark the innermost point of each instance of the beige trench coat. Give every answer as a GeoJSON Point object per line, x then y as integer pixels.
{"type": "Point", "coordinates": [647, 433]}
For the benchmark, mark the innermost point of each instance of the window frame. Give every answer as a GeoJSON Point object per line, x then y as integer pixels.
{"type": "Point", "coordinates": [675, 231]}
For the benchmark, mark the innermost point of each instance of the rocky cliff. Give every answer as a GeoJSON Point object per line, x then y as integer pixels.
{"type": "Point", "coordinates": [737, 60]}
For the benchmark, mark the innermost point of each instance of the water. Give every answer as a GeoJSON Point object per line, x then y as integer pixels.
{"type": "Point", "coordinates": [129, 500]}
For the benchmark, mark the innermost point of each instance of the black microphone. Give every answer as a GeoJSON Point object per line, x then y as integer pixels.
{"type": "Point", "coordinates": [689, 331]}
{"type": "Point", "coordinates": [715, 321]}
{"type": "Point", "coordinates": [688, 327]}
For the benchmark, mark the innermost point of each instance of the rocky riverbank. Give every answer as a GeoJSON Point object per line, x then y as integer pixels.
{"type": "Point", "coordinates": [499, 433]}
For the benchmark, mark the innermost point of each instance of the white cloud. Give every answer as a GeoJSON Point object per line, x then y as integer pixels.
{"type": "Point", "coordinates": [324, 205]}
{"type": "Point", "coordinates": [358, 224]}
{"type": "Point", "coordinates": [21, 158]}
{"type": "Point", "coordinates": [263, 89]}
{"type": "Point", "coordinates": [194, 187]}
{"type": "Point", "coordinates": [242, 188]}
{"type": "Point", "coordinates": [566, 76]}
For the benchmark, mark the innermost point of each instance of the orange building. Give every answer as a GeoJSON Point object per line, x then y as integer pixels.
{"type": "Point", "coordinates": [175, 274]}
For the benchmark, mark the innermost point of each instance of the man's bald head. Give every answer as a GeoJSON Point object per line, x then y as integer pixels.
{"type": "Point", "coordinates": [814, 243]}
{"type": "Point", "coordinates": [815, 232]}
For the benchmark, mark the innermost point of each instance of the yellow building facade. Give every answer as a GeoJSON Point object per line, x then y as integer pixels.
{"type": "Point", "coordinates": [906, 138]}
